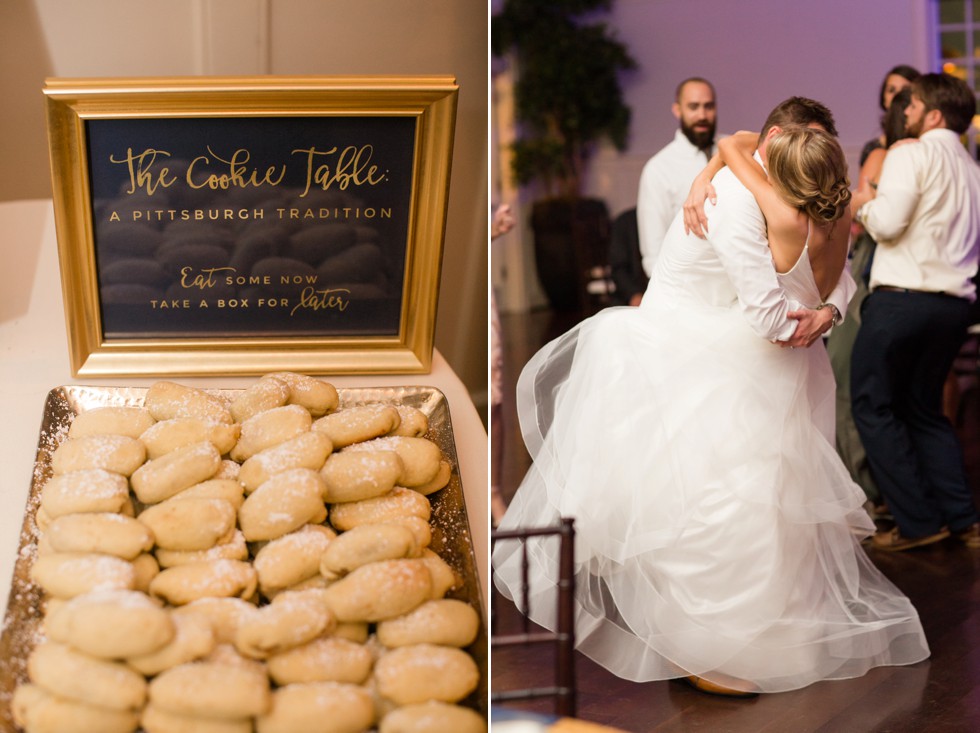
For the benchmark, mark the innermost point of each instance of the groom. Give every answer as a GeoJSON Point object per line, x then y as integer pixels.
{"type": "Point", "coordinates": [736, 241]}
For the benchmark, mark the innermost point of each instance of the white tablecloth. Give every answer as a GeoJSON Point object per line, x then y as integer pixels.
{"type": "Point", "coordinates": [34, 360]}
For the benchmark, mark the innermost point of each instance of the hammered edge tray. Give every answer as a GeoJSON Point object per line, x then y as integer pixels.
{"type": "Point", "coordinates": [451, 537]}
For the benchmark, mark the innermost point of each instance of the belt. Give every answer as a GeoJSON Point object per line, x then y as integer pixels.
{"type": "Point", "coordinates": [893, 289]}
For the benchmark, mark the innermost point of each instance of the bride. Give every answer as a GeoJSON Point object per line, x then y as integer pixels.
{"type": "Point", "coordinates": [717, 531]}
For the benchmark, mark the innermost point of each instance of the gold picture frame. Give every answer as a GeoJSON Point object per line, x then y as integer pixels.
{"type": "Point", "coordinates": [327, 195]}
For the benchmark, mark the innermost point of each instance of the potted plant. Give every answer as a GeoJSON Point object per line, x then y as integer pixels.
{"type": "Point", "coordinates": [568, 99]}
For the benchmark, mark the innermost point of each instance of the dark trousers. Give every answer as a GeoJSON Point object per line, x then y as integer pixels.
{"type": "Point", "coordinates": [902, 356]}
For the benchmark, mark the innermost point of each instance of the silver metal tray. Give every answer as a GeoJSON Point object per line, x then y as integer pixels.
{"type": "Point", "coordinates": [451, 536]}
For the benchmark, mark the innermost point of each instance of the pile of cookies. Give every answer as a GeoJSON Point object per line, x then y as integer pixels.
{"type": "Point", "coordinates": [256, 563]}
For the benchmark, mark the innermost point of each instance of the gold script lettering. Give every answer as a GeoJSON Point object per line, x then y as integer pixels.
{"type": "Point", "coordinates": [353, 166]}
{"type": "Point", "coordinates": [237, 176]}
{"type": "Point", "coordinates": [202, 280]}
{"type": "Point", "coordinates": [317, 300]}
{"type": "Point", "coordinates": [140, 175]}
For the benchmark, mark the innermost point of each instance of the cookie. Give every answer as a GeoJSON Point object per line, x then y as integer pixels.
{"type": "Point", "coordinates": [211, 690]}
{"type": "Point", "coordinates": [432, 717]}
{"type": "Point", "coordinates": [327, 659]}
{"type": "Point", "coordinates": [218, 578]}
{"type": "Point", "coordinates": [106, 533]}
{"type": "Point", "coordinates": [423, 672]}
{"type": "Point", "coordinates": [261, 396]}
{"type": "Point", "coordinates": [307, 450]}
{"type": "Point", "coordinates": [90, 490]}
{"type": "Point", "coordinates": [190, 524]}
{"type": "Point", "coordinates": [111, 624]}
{"type": "Point", "coordinates": [399, 502]}
{"type": "Point", "coordinates": [354, 476]}
{"type": "Point", "coordinates": [63, 671]}
{"type": "Point", "coordinates": [115, 453]}
{"type": "Point", "coordinates": [169, 435]}
{"type": "Point", "coordinates": [365, 544]}
{"type": "Point", "coordinates": [166, 400]}
{"type": "Point", "coordinates": [270, 428]}
{"type": "Point", "coordinates": [216, 488]}
{"type": "Point", "coordinates": [380, 590]}
{"type": "Point", "coordinates": [421, 457]}
{"type": "Point", "coordinates": [282, 504]}
{"type": "Point", "coordinates": [111, 420]}
{"type": "Point", "coordinates": [446, 622]}
{"type": "Point", "coordinates": [292, 558]}
{"type": "Point", "coordinates": [38, 711]}
{"type": "Point", "coordinates": [318, 707]}
{"type": "Point", "coordinates": [69, 574]}
{"type": "Point", "coordinates": [356, 424]}
{"type": "Point", "coordinates": [233, 549]}
{"type": "Point", "coordinates": [317, 396]}
{"type": "Point", "coordinates": [293, 618]}
{"type": "Point", "coordinates": [175, 471]}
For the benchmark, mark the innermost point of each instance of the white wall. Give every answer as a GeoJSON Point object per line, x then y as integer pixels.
{"type": "Point", "coordinates": [40, 38]}
{"type": "Point", "coordinates": [756, 53]}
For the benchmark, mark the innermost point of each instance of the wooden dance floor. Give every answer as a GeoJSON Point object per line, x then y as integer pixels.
{"type": "Point", "coordinates": [940, 695]}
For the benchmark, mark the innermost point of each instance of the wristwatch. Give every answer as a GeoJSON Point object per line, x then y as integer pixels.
{"type": "Point", "coordinates": [837, 317]}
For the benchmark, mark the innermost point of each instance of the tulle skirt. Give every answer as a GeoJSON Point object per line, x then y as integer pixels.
{"type": "Point", "coordinates": [717, 531]}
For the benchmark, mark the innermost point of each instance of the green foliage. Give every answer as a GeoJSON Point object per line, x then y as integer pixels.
{"type": "Point", "coordinates": [567, 93]}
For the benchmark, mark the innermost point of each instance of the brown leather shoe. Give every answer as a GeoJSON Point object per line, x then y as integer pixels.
{"type": "Point", "coordinates": [970, 536]}
{"type": "Point", "coordinates": [893, 541]}
{"type": "Point", "coordinates": [703, 685]}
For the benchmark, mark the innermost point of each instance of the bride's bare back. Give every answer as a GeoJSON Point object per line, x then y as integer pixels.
{"type": "Point", "coordinates": [789, 229]}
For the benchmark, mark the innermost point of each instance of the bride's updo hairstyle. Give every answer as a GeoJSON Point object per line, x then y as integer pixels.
{"type": "Point", "coordinates": [808, 170]}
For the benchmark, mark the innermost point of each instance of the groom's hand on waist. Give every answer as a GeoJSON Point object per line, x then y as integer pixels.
{"type": "Point", "coordinates": [811, 325]}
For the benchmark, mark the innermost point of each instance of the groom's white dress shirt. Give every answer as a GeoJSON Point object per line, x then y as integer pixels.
{"type": "Point", "coordinates": [733, 265]}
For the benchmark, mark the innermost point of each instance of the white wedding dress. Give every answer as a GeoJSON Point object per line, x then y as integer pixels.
{"type": "Point", "coordinates": [717, 531]}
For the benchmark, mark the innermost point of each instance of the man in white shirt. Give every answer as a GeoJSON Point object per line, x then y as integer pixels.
{"type": "Point", "coordinates": [667, 176]}
{"type": "Point", "coordinates": [925, 216]}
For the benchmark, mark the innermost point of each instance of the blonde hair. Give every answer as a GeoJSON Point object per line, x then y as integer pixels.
{"type": "Point", "coordinates": [808, 170]}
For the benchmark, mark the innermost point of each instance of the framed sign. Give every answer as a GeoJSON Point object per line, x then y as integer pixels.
{"type": "Point", "coordinates": [247, 225]}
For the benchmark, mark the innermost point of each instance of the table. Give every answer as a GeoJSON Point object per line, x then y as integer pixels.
{"type": "Point", "coordinates": [34, 360]}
